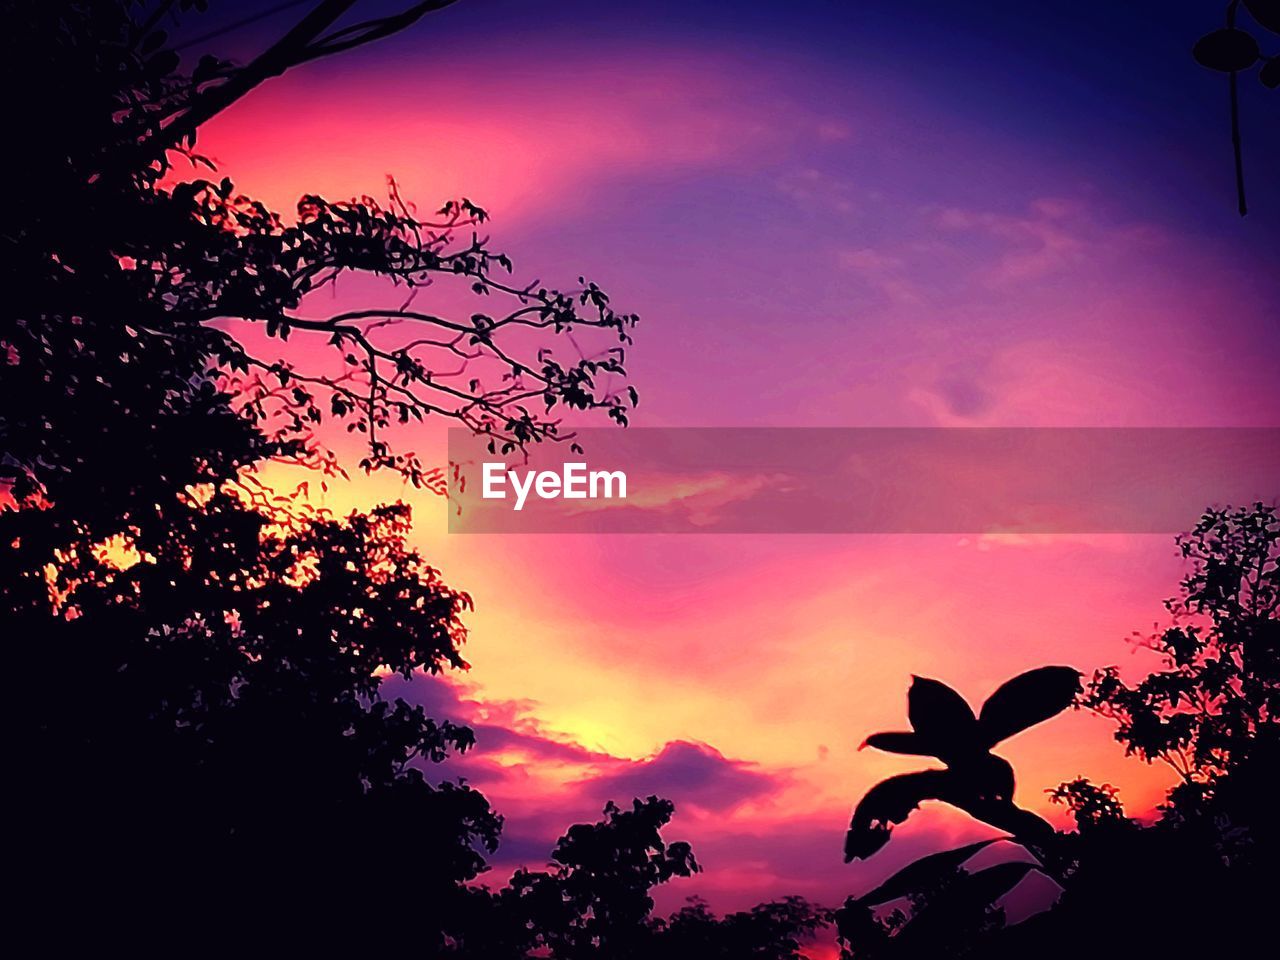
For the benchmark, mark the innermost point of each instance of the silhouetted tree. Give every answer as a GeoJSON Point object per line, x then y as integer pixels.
{"type": "Point", "coordinates": [595, 903]}
{"type": "Point", "coordinates": [199, 717]}
{"type": "Point", "coordinates": [1197, 881]}
{"type": "Point", "coordinates": [1213, 712]}
{"type": "Point", "coordinates": [203, 759]}
{"type": "Point", "coordinates": [778, 930]}
{"type": "Point", "coordinates": [94, 234]}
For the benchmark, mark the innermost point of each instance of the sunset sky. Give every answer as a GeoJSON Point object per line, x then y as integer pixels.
{"type": "Point", "coordinates": [846, 214]}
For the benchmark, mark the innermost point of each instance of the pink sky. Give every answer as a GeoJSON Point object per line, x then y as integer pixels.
{"type": "Point", "coordinates": [857, 258]}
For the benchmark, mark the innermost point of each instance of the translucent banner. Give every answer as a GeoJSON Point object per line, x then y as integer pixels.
{"type": "Point", "coordinates": [862, 480]}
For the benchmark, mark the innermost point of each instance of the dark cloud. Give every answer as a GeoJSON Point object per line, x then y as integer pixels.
{"type": "Point", "coordinates": [685, 771]}
{"type": "Point", "coordinates": [964, 396]}
{"type": "Point", "coordinates": [743, 862]}
{"type": "Point", "coordinates": [963, 387]}
{"type": "Point", "coordinates": [689, 773]}
{"type": "Point", "coordinates": [497, 724]}
{"type": "Point", "coordinates": [697, 777]}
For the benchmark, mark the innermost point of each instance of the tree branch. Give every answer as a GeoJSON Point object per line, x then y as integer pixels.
{"type": "Point", "coordinates": [297, 46]}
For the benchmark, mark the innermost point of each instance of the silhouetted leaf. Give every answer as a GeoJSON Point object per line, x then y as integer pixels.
{"type": "Point", "coordinates": [1023, 825]}
{"type": "Point", "coordinates": [888, 802]}
{"type": "Point", "coordinates": [1026, 700]}
{"type": "Point", "coordinates": [1266, 12]}
{"type": "Point", "coordinates": [163, 63]}
{"type": "Point", "coordinates": [934, 708]}
{"type": "Point", "coordinates": [899, 742]}
{"type": "Point", "coordinates": [993, 883]}
{"type": "Point", "coordinates": [923, 872]}
{"type": "Point", "coordinates": [1226, 50]}
{"type": "Point", "coordinates": [1270, 73]}
{"type": "Point", "coordinates": [962, 905]}
{"type": "Point", "coordinates": [943, 719]}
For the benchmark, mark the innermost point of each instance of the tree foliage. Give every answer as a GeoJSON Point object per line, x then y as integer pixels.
{"type": "Point", "coordinates": [595, 901]}
{"type": "Point", "coordinates": [1196, 881]}
{"type": "Point", "coordinates": [205, 761]}
{"type": "Point", "coordinates": [99, 233]}
{"type": "Point", "coordinates": [1213, 712]}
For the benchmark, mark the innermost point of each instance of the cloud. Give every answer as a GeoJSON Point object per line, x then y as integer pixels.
{"type": "Point", "coordinates": [700, 496]}
{"type": "Point", "coordinates": [866, 260]}
{"type": "Point", "coordinates": [817, 192]}
{"type": "Point", "coordinates": [573, 124]}
{"type": "Point", "coordinates": [964, 394]}
{"type": "Point", "coordinates": [505, 727]}
{"type": "Point", "coordinates": [886, 274]}
{"type": "Point", "coordinates": [515, 754]}
{"type": "Point", "coordinates": [690, 773]}
{"type": "Point", "coordinates": [1049, 237]}
{"type": "Point", "coordinates": [542, 782]}
{"type": "Point", "coordinates": [833, 131]}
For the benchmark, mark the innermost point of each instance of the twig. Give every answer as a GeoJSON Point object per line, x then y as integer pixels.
{"type": "Point", "coordinates": [1235, 146]}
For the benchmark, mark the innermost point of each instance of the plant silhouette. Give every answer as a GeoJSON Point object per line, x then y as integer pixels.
{"type": "Point", "coordinates": [1198, 880]}
{"type": "Point", "coordinates": [976, 780]}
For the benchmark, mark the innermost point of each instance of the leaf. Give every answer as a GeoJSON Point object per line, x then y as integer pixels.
{"type": "Point", "coordinates": [984, 776]}
{"type": "Point", "coordinates": [1226, 50]}
{"type": "Point", "coordinates": [1266, 12]}
{"type": "Point", "coordinates": [911, 744]}
{"type": "Point", "coordinates": [943, 718]}
{"type": "Point", "coordinates": [958, 907]}
{"type": "Point", "coordinates": [925, 872]}
{"type": "Point", "coordinates": [1270, 73]}
{"type": "Point", "coordinates": [162, 64]}
{"type": "Point", "coordinates": [205, 69]}
{"type": "Point", "coordinates": [993, 883]}
{"type": "Point", "coordinates": [933, 707]}
{"type": "Point", "coordinates": [1026, 700]}
{"type": "Point", "coordinates": [1024, 826]}
{"type": "Point", "coordinates": [888, 802]}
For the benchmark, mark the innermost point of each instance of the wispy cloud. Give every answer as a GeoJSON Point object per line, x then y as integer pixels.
{"type": "Point", "coordinates": [1050, 236]}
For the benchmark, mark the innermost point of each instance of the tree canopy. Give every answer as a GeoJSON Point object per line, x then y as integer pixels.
{"type": "Point", "coordinates": [206, 760]}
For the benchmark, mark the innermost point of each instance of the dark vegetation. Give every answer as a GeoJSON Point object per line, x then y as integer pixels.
{"type": "Point", "coordinates": [203, 762]}
{"type": "Point", "coordinates": [1199, 880]}
{"type": "Point", "coordinates": [1233, 49]}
